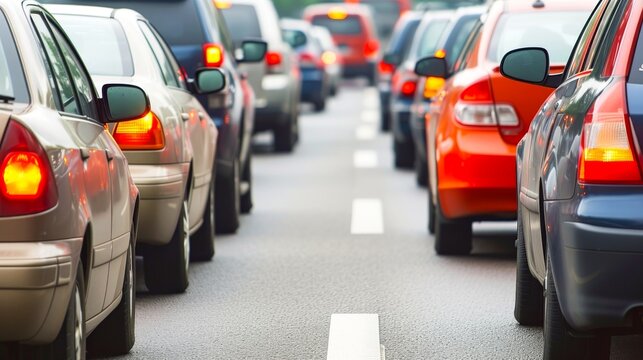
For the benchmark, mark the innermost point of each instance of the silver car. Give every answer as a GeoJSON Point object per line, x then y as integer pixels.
{"type": "Point", "coordinates": [331, 57]}
{"type": "Point", "coordinates": [170, 150]}
{"type": "Point", "coordinates": [68, 205]}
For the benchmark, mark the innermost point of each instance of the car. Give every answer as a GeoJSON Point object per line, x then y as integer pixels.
{"type": "Point", "coordinates": [426, 42]}
{"type": "Point", "coordinates": [331, 57]}
{"type": "Point", "coordinates": [68, 205]}
{"type": "Point", "coordinates": [354, 33]}
{"type": "Point", "coordinates": [451, 46]}
{"type": "Point", "coordinates": [397, 49]}
{"type": "Point", "coordinates": [480, 116]}
{"type": "Point", "coordinates": [386, 12]}
{"type": "Point", "coordinates": [207, 44]}
{"type": "Point", "coordinates": [580, 188]}
{"type": "Point", "coordinates": [276, 82]}
{"type": "Point", "coordinates": [315, 82]}
{"type": "Point", "coordinates": [170, 150]}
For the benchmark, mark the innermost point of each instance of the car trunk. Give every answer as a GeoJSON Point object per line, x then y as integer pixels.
{"type": "Point", "coordinates": [349, 35]}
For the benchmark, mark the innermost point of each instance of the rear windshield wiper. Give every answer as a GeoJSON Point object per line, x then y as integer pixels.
{"type": "Point", "coordinates": [6, 98]}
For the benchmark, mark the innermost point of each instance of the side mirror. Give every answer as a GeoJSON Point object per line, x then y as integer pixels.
{"type": "Point", "coordinates": [295, 38]}
{"type": "Point", "coordinates": [124, 102]}
{"type": "Point", "coordinates": [393, 59]}
{"type": "Point", "coordinates": [432, 66]}
{"type": "Point", "coordinates": [252, 51]}
{"type": "Point", "coordinates": [208, 81]}
{"type": "Point", "coordinates": [530, 65]}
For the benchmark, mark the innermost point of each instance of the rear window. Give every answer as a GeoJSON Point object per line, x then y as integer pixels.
{"type": "Point", "coordinates": [12, 78]}
{"type": "Point", "coordinates": [243, 22]}
{"type": "Point", "coordinates": [101, 43]}
{"type": "Point", "coordinates": [349, 26]}
{"type": "Point", "coordinates": [430, 40]}
{"type": "Point", "coordinates": [555, 31]}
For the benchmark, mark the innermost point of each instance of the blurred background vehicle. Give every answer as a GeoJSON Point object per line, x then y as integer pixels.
{"type": "Point", "coordinates": [276, 82]}
{"type": "Point", "coordinates": [315, 83]}
{"type": "Point", "coordinates": [397, 49]}
{"type": "Point", "coordinates": [68, 205]}
{"type": "Point", "coordinates": [426, 42]}
{"type": "Point", "coordinates": [354, 33]}
{"type": "Point", "coordinates": [481, 116]}
{"type": "Point", "coordinates": [331, 58]}
{"type": "Point", "coordinates": [386, 14]}
{"type": "Point", "coordinates": [451, 46]}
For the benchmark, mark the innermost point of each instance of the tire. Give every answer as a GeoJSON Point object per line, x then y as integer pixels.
{"type": "Point", "coordinates": [285, 136]}
{"type": "Point", "coordinates": [166, 267]}
{"type": "Point", "coordinates": [451, 237]}
{"type": "Point", "coordinates": [202, 247]}
{"type": "Point", "coordinates": [421, 172]}
{"type": "Point", "coordinates": [320, 104]}
{"type": "Point", "coordinates": [372, 79]}
{"type": "Point", "coordinates": [529, 305]}
{"type": "Point", "coordinates": [115, 335]}
{"type": "Point", "coordinates": [246, 177]}
{"type": "Point", "coordinates": [227, 207]}
{"type": "Point", "coordinates": [431, 213]}
{"type": "Point", "coordinates": [404, 154]}
{"type": "Point", "coordinates": [385, 121]}
{"type": "Point", "coordinates": [559, 342]}
{"type": "Point", "coordinates": [333, 90]}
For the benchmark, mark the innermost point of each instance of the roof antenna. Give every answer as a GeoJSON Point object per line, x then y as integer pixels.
{"type": "Point", "coordinates": [538, 4]}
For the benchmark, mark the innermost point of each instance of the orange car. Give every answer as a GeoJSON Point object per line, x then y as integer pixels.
{"type": "Point", "coordinates": [479, 117]}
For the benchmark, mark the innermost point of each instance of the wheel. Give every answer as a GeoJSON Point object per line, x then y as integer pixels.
{"type": "Point", "coordinates": [404, 154]}
{"type": "Point", "coordinates": [202, 241]}
{"type": "Point", "coordinates": [559, 342]}
{"type": "Point", "coordinates": [115, 335]}
{"type": "Point", "coordinates": [166, 267]}
{"type": "Point", "coordinates": [385, 121]}
{"type": "Point", "coordinates": [246, 180]}
{"type": "Point", "coordinates": [334, 89]}
{"type": "Point", "coordinates": [431, 214]}
{"type": "Point", "coordinates": [227, 206]}
{"type": "Point", "coordinates": [529, 306]}
{"type": "Point", "coordinates": [320, 104]}
{"type": "Point", "coordinates": [372, 79]}
{"type": "Point", "coordinates": [451, 237]}
{"type": "Point", "coordinates": [421, 172]}
{"type": "Point", "coordinates": [285, 136]}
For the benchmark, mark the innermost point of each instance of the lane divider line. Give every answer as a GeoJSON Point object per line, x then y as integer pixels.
{"type": "Point", "coordinates": [365, 132]}
{"type": "Point", "coordinates": [365, 159]}
{"type": "Point", "coordinates": [367, 217]}
{"type": "Point", "coordinates": [370, 116]}
{"type": "Point", "coordinates": [371, 99]}
{"type": "Point", "coordinates": [354, 337]}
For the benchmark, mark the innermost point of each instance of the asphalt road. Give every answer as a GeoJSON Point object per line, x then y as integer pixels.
{"type": "Point", "coordinates": [272, 288]}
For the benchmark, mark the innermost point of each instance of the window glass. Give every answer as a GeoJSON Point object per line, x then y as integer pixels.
{"type": "Point", "coordinates": [164, 63]}
{"type": "Point", "coordinates": [584, 41]}
{"type": "Point", "coordinates": [599, 43]}
{"type": "Point", "coordinates": [180, 75]}
{"type": "Point", "coordinates": [101, 43]}
{"type": "Point", "coordinates": [243, 22]}
{"type": "Point", "coordinates": [458, 37]}
{"type": "Point", "coordinates": [12, 78]}
{"type": "Point", "coordinates": [470, 44]}
{"type": "Point", "coordinates": [430, 40]}
{"type": "Point", "coordinates": [349, 26]}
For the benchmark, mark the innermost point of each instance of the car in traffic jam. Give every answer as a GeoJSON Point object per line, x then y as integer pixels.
{"type": "Point", "coordinates": [136, 136]}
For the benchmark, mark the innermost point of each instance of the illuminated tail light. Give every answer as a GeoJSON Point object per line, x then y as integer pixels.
{"type": "Point", "coordinates": [212, 55]}
{"type": "Point", "coordinates": [477, 108]}
{"type": "Point", "coordinates": [329, 57]}
{"type": "Point", "coordinates": [386, 68]}
{"type": "Point", "coordinates": [27, 185]}
{"type": "Point", "coordinates": [273, 61]}
{"type": "Point", "coordinates": [432, 87]}
{"type": "Point", "coordinates": [371, 47]}
{"type": "Point", "coordinates": [145, 133]}
{"type": "Point", "coordinates": [310, 60]}
{"type": "Point", "coordinates": [607, 154]}
{"type": "Point", "coordinates": [408, 88]}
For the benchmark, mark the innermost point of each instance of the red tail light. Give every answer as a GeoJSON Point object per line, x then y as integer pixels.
{"type": "Point", "coordinates": [477, 108]}
{"type": "Point", "coordinates": [308, 59]}
{"type": "Point", "coordinates": [145, 133]}
{"type": "Point", "coordinates": [386, 68]}
{"type": "Point", "coordinates": [478, 92]}
{"type": "Point", "coordinates": [408, 88]}
{"type": "Point", "coordinates": [371, 47]}
{"type": "Point", "coordinates": [607, 154]}
{"type": "Point", "coordinates": [273, 59]}
{"type": "Point", "coordinates": [27, 185]}
{"type": "Point", "coordinates": [213, 55]}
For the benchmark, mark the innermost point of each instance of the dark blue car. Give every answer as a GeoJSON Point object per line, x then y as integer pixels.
{"type": "Point", "coordinates": [580, 224]}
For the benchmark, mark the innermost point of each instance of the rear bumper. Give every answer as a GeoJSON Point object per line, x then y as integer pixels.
{"type": "Point", "coordinates": [401, 118]}
{"type": "Point", "coordinates": [356, 70]}
{"type": "Point", "coordinates": [275, 103]}
{"type": "Point", "coordinates": [312, 85]}
{"type": "Point", "coordinates": [36, 280]}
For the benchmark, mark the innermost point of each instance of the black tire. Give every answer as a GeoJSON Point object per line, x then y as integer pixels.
{"type": "Point", "coordinates": [334, 90]}
{"type": "Point", "coordinates": [372, 79]}
{"type": "Point", "coordinates": [246, 177]}
{"type": "Point", "coordinates": [421, 172]}
{"type": "Point", "coordinates": [115, 335]}
{"type": "Point", "coordinates": [559, 342]}
{"type": "Point", "coordinates": [227, 208]}
{"type": "Point", "coordinates": [529, 305]}
{"type": "Point", "coordinates": [385, 121]}
{"type": "Point", "coordinates": [404, 154]}
{"type": "Point", "coordinates": [285, 135]}
{"type": "Point", "coordinates": [451, 237]}
{"type": "Point", "coordinates": [320, 104]}
{"type": "Point", "coordinates": [431, 213]}
{"type": "Point", "coordinates": [202, 247]}
{"type": "Point", "coordinates": [166, 267]}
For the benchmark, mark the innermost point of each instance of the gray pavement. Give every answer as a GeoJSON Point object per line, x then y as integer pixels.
{"type": "Point", "coordinates": [271, 289]}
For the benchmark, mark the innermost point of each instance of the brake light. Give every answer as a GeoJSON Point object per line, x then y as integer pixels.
{"type": "Point", "coordinates": [408, 88]}
{"type": "Point", "coordinates": [478, 92]}
{"type": "Point", "coordinates": [477, 108]}
{"type": "Point", "coordinates": [337, 13]}
{"type": "Point", "coordinates": [27, 184]}
{"type": "Point", "coordinates": [607, 154]}
{"type": "Point", "coordinates": [432, 87]}
{"type": "Point", "coordinates": [329, 57]}
{"type": "Point", "coordinates": [370, 48]}
{"type": "Point", "coordinates": [386, 68]}
{"type": "Point", "coordinates": [212, 55]}
{"type": "Point", "coordinates": [273, 58]}
{"type": "Point", "coordinates": [145, 133]}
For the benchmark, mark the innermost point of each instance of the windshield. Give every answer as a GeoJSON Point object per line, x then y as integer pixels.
{"type": "Point", "coordinates": [101, 43]}
{"type": "Point", "coordinates": [12, 79]}
{"type": "Point", "coordinates": [243, 22]}
{"type": "Point", "coordinates": [555, 31]}
{"type": "Point", "coordinates": [349, 26]}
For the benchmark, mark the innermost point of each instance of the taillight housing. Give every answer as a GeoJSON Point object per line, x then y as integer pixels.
{"type": "Point", "coordinates": [307, 59]}
{"type": "Point", "coordinates": [27, 184]}
{"type": "Point", "coordinates": [476, 107]}
{"type": "Point", "coordinates": [273, 61]}
{"type": "Point", "coordinates": [432, 86]}
{"type": "Point", "coordinates": [329, 58]}
{"type": "Point", "coordinates": [386, 68]}
{"type": "Point", "coordinates": [371, 47]}
{"type": "Point", "coordinates": [408, 88]}
{"type": "Point", "coordinates": [606, 153]}
{"type": "Point", "coordinates": [213, 55]}
{"type": "Point", "coordinates": [145, 133]}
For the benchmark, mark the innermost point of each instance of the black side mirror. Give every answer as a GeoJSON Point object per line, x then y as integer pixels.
{"type": "Point", "coordinates": [295, 38]}
{"type": "Point", "coordinates": [209, 81]}
{"type": "Point", "coordinates": [393, 59]}
{"type": "Point", "coordinates": [530, 65]}
{"type": "Point", "coordinates": [124, 102]}
{"type": "Point", "coordinates": [432, 66]}
{"type": "Point", "coordinates": [252, 51]}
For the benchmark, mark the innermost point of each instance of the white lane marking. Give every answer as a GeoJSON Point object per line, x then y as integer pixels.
{"type": "Point", "coordinates": [370, 116]}
{"type": "Point", "coordinates": [371, 99]}
{"type": "Point", "coordinates": [365, 159]}
{"type": "Point", "coordinates": [365, 132]}
{"type": "Point", "coordinates": [367, 217]}
{"type": "Point", "coordinates": [354, 337]}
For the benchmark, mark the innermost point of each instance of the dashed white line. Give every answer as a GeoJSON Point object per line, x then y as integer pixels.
{"type": "Point", "coordinates": [367, 217]}
{"type": "Point", "coordinates": [370, 116]}
{"type": "Point", "coordinates": [365, 132]}
{"type": "Point", "coordinates": [371, 99]}
{"type": "Point", "coordinates": [354, 337]}
{"type": "Point", "coordinates": [365, 159]}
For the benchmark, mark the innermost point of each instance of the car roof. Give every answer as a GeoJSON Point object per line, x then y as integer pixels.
{"type": "Point", "coordinates": [553, 5]}
{"type": "Point", "coordinates": [351, 9]}
{"type": "Point", "coordinates": [295, 24]}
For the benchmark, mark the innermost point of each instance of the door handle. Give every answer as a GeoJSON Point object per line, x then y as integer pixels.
{"type": "Point", "coordinates": [185, 116]}
{"type": "Point", "coordinates": [109, 154]}
{"type": "Point", "coordinates": [84, 154]}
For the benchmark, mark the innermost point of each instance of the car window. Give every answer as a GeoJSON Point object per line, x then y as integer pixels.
{"type": "Point", "coordinates": [242, 21]}
{"type": "Point", "coordinates": [67, 98]}
{"type": "Point", "coordinates": [180, 75]}
{"type": "Point", "coordinates": [351, 25]}
{"type": "Point", "coordinates": [168, 73]}
{"type": "Point", "coordinates": [602, 34]}
{"type": "Point", "coordinates": [584, 41]}
{"type": "Point", "coordinates": [430, 38]}
{"type": "Point", "coordinates": [12, 77]}
{"type": "Point", "coordinates": [458, 37]}
{"type": "Point", "coordinates": [101, 42]}
{"type": "Point", "coordinates": [224, 33]}
{"type": "Point", "coordinates": [470, 44]}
